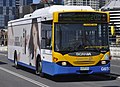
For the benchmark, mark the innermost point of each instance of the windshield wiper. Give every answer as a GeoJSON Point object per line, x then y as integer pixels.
{"type": "Point", "coordinates": [91, 44]}
{"type": "Point", "coordinates": [83, 46]}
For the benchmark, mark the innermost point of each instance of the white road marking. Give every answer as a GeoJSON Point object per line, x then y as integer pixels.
{"type": "Point", "coordinates": [115, 66]}
{"type": "Point", "coordinates": [118, 77]}
{"type": "Point", "coordinates": [25, 78]}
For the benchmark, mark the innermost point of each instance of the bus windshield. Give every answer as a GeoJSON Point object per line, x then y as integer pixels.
{"type": "Point", "coordinates": [76, 37]}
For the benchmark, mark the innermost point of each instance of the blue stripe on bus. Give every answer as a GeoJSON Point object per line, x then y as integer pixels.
{"type": "Point", "coordinates": [54, 69]}
{"type": "Point", "coordinates": [23, 64]}
{"type": "Point", "coordinates": [26, 65]}
{"type": "Point", "coordinates": [11, 60]}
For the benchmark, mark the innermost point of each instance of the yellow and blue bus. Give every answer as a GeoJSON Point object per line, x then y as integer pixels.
{"type": "Point", "coordinates": [61, 40]}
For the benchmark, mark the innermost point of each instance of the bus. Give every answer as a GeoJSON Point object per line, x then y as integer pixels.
{"type": "Point", "coordinates": [59, 40]}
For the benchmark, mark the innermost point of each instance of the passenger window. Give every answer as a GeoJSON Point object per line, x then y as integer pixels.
{"type": "Point", "coordinates": [46, 34]}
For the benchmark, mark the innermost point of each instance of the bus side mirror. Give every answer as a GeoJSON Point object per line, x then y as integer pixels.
{"type": "Point", "coordinates": [112, 30]}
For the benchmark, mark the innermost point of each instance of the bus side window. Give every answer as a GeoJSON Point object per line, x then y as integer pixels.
{"type": "Point", "coordinates": [46, 39]}
{"type": "Point", "coordinates": [46, 35]}
{"type": "Point", "coordinates": [43, 39]}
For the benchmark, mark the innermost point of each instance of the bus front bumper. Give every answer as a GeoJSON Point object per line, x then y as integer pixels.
{"type": "Point", "coordinates": [55, 69]}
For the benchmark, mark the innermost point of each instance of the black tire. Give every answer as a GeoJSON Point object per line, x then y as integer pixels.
{"type": "Point", "coordinates": [39, 67]}
{"type": "Point", "coordinates": [15, 60]}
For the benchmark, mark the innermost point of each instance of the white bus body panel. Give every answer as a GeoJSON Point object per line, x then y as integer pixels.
{"type": "Point", "coordinates": [17, 29]}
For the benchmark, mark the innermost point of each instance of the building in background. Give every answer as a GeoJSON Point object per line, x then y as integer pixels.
{"type": "Point", "coordinates": [19, 6]}
{"type": "Point", "coordinates": [113, 7]}
{"type": "Point", "coordinates": [107, 1]}
{"type": "Point", "coordinates": [59, 2]}
{"type": "Point", "coordinates": [14, 9]}
{"type": "Point", "coordinates": [93, 3]}
{"type": "Point", "coordinates": [23, 2]}
{"type": "Point", "coordinates": [27, 9]}
{"type": "Point", "coordinates": [102, 3]}
{"type": "Point", "coordinates": [7, 12]}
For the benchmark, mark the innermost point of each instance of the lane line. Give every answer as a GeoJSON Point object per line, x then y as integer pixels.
{"type": "Point", "coordinates": [23, 77]}
{"type": "Point", "coordinates": [115, 66]}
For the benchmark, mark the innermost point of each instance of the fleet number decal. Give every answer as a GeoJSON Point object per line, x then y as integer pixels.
{"type": "Point", "coordinates": [105, 68]}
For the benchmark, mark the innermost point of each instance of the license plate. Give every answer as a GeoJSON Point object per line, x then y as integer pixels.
{"type": "Point", "coordinates": [84, 68]}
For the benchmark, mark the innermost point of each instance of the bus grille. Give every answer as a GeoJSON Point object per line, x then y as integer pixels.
{"type": "Point", "coordinates": [84, 62]}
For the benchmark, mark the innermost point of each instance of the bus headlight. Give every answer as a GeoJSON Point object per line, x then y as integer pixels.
{"type": "Point", "coordinates": [64, 63]}
{"type": "Point", "coordinates": [103, 62]}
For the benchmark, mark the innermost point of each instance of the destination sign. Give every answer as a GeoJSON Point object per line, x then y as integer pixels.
{"type": "Point", "coordinates": [88, 17]}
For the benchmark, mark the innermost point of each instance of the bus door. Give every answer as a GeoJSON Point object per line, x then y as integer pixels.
{"type": "Point", "coordinates": [46, 45]}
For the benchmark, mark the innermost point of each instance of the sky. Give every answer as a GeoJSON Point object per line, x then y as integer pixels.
{"type": "Point", "coordinates": [36, 1]}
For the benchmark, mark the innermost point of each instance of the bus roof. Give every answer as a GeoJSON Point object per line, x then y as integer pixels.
{"type": "Point", "coordinates": [48, 11]}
